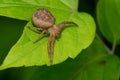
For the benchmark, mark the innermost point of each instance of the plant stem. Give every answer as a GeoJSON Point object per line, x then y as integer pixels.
{"type": "Point", "coordinates": [106, 47]}
{"type": "Point", "coordinates": [113, 47]}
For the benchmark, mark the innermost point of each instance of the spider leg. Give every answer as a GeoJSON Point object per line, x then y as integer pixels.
{"type": "Point", "coordinates": [35, 29]}
{"type": "Point", "coordinates": [40, 36]}
{"type": "Point", "coordinates": [61, 25]}
{"type": "Point", "coordinates": [51, 47]}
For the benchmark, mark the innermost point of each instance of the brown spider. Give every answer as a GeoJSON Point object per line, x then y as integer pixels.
{"type": "Point", "coordinates": [43, 20]}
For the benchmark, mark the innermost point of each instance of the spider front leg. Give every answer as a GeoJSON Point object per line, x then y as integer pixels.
{"type": "Point", "coordinates": [51, 47]}
{"type": "Point", "coordinates": [35, 29]}
{"type": "Point", "coordinates": [61, 25]}
{"type": "Point", "coordinates": [40, 36]}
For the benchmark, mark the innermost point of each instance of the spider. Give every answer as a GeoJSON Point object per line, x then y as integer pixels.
{"type": "Point", "coordinates": [43, 20]}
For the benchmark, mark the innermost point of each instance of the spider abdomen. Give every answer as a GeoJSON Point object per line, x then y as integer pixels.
{"type": "Point", "coordinates": [42, 18]}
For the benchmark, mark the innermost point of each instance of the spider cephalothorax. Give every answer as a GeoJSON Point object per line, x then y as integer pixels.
{"type": "Point", "coordinates": [43, 20]}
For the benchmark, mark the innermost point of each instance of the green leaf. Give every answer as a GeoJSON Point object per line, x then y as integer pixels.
{"type": "Point", "coordinates": [27, 53]}
{"type": "Point", "coordinates": [105, 69]}
{"type": "Point", "coordinates": [92, 64]}
{"type": "Point", "coordinates": [23, 9]}
{"type": "Point", "coordinates": [73, 4]}
{"type": "Point", "coordinates": [108, 15]}
{"type": "Point", "coordinates": [71, 42]}
{"type": "Point", "coordinates": [99, 65]}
